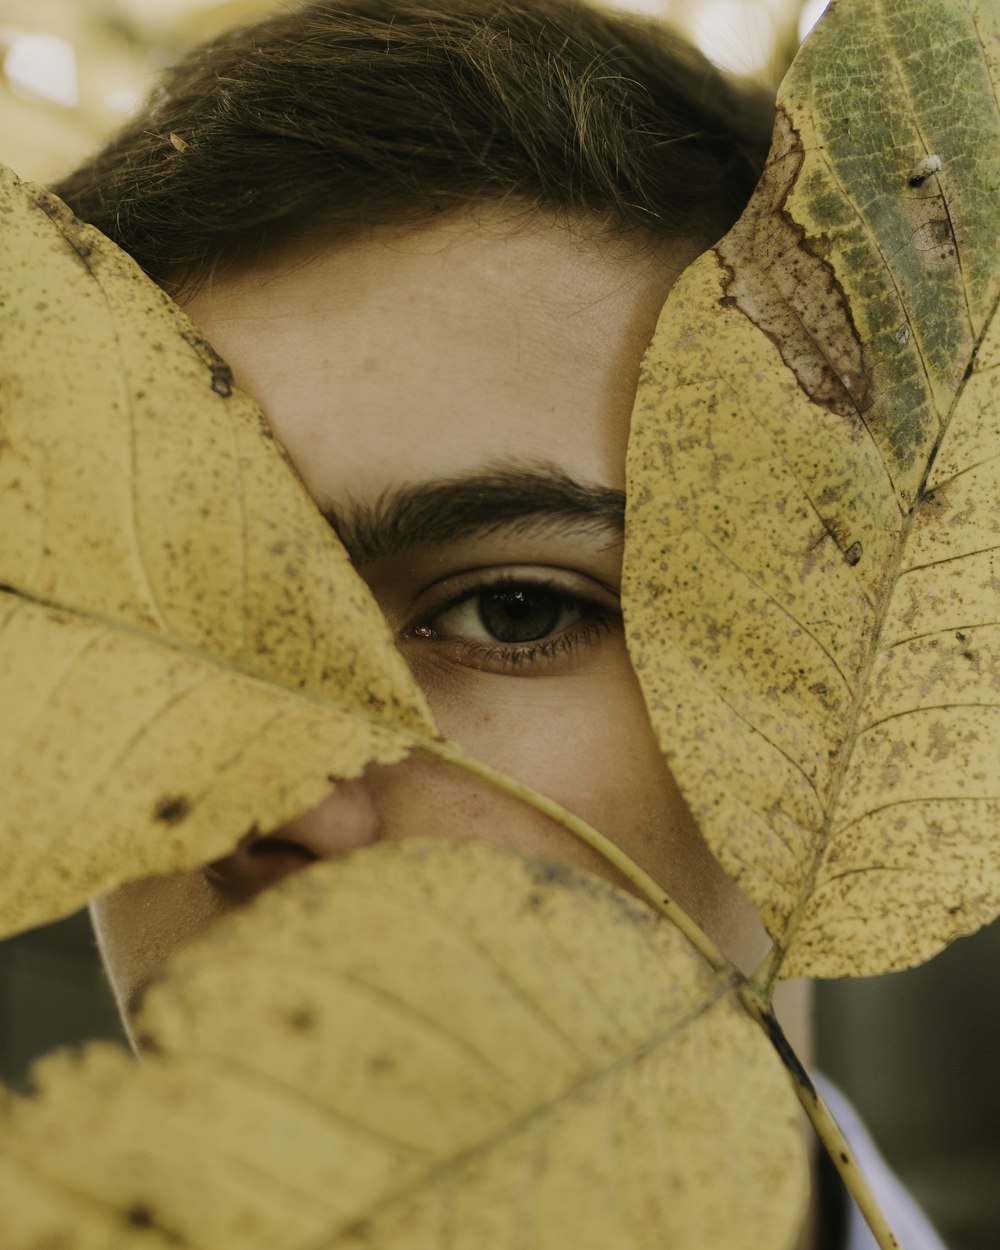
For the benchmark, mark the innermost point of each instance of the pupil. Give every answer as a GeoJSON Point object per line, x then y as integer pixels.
{"type": "Point", "coordinates": [519, 615]}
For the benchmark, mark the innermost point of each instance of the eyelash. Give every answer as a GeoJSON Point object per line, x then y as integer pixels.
{"type": "Point", "coordinates": [596, 621]}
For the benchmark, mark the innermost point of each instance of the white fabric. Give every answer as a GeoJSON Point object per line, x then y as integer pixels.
{"type": "Point", "coordinates": [905, 1218]}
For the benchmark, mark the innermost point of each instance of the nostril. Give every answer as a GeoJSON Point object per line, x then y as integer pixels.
{"type": "Point", "coordinates": [257, 863]}
{"type": "Point", "coordinates": [344, 821]}
{"type": "Point", "coordinates": [271, 847]}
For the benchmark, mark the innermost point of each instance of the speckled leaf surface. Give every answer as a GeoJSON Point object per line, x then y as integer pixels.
{"type": "Point", "coordinates": [177, 620]}
{"type": "Point", "coordinates": [517, 1055]}
{"type": "Point", "coordinates": [813, 523]}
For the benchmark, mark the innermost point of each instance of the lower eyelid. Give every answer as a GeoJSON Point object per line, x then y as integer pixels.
{"type": "Point", "coordinates": [526, 659]}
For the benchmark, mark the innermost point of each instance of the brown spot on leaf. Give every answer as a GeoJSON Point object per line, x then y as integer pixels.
{"type": "Point", "coordinates": [781, 279]}
{"type": "Point", "coordinates": [301, 1020]}
{"type": "Point", "coordinates": [221, 374]}
{"type": "Point", "coordinates": [140, 1216]}
{"type": "Point", "coordinates": [222, 381]}
{"type": "Point", "coordinates": [853, 554]}
{"type": "Point", "coordinates": [172, 809]}
{"type": "Point", "coordinates": [932, 234]}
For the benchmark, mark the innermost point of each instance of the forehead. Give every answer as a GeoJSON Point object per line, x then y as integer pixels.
{"type": "Point", "coordinates": [410, 355]}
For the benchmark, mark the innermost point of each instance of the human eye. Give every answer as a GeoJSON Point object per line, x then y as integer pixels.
{"type": "Point", "coordinates": [518, 623]}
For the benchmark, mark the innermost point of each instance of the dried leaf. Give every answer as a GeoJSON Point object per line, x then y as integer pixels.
{"type": "Point", "coordinates": [177, 621]}
{"type": "Point", "coordinates": [809, 583]}
{"type": "Point", "coordinates": [516, 1054]}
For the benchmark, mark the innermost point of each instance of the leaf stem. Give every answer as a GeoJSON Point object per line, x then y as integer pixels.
{"type": "Point", "coordinates": [754, 993]}
{"type": "Point", "coordinates": [829, 1132]}
{"type": "Point", "coordinates": [765, 974]}
{"type": "Point", "coordinates": [644, 883]}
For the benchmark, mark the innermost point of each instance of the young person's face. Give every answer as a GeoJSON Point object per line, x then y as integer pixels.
{"type": "Point", "coordinates": [487, 368]}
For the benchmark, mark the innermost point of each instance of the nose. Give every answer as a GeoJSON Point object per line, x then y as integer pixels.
{"type": "Point", "coordinates": [345, 820]}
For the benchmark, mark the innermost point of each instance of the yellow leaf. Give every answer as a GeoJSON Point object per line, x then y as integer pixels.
{"type": "Point", "coordinates": [810, 595]}
{"type": "Point", "coordinates": [177, 620]}
{"type": "Point", "coordinates": [420, 1045]}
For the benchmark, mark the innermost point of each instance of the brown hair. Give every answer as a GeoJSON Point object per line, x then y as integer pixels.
{"type": "Point", "coordinates": [350, 113]}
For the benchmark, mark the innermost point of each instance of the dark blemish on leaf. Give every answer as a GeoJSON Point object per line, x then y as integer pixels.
{"type": "Point", "coordinates": [8, 590]}
{"type": "Point", "coordinates": [844, 1157]}
{"type": "Point", "coordinates": [968, 372]}
{"type": "Point", "coordinates": [222, 375]}
{"type": "Point", "coordinates": [534, 902]}
{"type": "Point", "coordinates": [552, 873]}
{"type": "Point", "coordinates": [146, 1044]}
{"type": "Point", "coordinates": [853, 554]}
{"type": "Point", "coordinates": [798, 303]}
{"type": "Point", "coordinates": [788, 1056]}
{"type": "Point", "coordinates": [140, 1216]}
{"type": "Point", "coordinates": [172, 810]}
{"type": "Point", "coordinates": [959, 635]}
{"type": "Point", "coordinates": [301, 1020]}
{"type": "Point", "coordinates": [222, 380]}
{"type": "Point", "coordinates": [968, 655]}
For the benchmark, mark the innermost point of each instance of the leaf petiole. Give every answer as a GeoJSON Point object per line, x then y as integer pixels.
{"type": "Point", "coordinates": [644, 883]}
{"type": "Point", "coordinates": [754, 992]}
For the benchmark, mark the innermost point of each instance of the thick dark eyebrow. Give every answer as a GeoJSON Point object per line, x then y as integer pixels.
{"type": "Point", "coordinates": [448, 510]}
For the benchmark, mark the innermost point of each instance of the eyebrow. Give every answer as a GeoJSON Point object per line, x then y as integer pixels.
{"type": "Point", "coordinates": [448, 510]}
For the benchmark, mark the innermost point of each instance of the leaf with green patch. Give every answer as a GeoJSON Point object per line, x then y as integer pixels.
{"type": "Point", "coordinates": [809, 587]}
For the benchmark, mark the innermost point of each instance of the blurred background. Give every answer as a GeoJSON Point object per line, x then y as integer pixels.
{"type": "Point", "coordinates": [918, 1051]}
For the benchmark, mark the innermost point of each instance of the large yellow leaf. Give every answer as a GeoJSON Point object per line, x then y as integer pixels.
{"type": "Point", "coordinates": [422, 1045]}
{"type": "Point", "coordinates": [178, 623]}
{"type": "Point", "coordinates": [813, 481]}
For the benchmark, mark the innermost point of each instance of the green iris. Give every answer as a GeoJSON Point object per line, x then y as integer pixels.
{"type": "Point", "coordinates": [521, 615]}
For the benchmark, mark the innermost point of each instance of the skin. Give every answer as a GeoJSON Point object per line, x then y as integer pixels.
{"type": "Point", "coordinates": [408, 356]}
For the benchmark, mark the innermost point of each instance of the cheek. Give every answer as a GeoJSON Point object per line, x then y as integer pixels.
{"type": "Point", "coordinates": [139, 925]}
{"type": "Point", "coordinates": [587, 743]}
{"type": "Point", "coordinates": [583, 740]}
